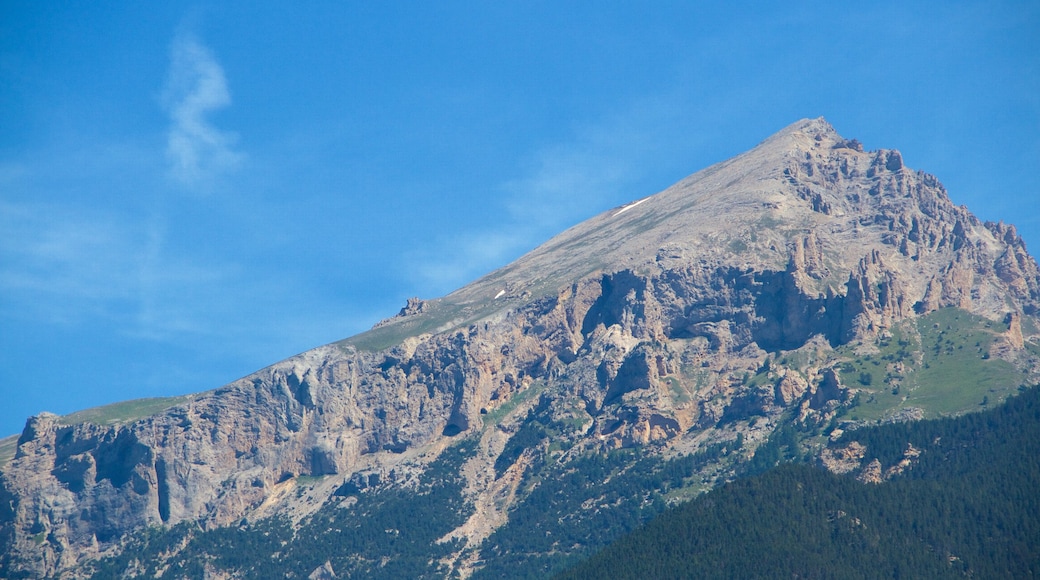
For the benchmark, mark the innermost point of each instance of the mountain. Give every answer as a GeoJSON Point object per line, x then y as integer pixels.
{"type": "Point", "coordinates": [967, 507]}
{"type": "Point", "coordinates": [752, 312]}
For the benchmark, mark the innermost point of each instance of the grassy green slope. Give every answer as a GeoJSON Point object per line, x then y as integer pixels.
{"type": "Point", "coordinates": [124, 412]}
{"type": "Point", "coordinates": [938, 363]}
{"type": "Point", "coordinates": [7, 449]}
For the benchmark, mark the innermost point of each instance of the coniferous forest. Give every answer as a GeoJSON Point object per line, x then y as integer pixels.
{"type": "Point", "coordinates": [969, 507]}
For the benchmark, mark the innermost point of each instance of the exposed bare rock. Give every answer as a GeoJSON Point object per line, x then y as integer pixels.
{"type": "Point", "coordinates": [324, 572]}
{"type": "Point", "coordinates": [658, 324]}
{"type": "Point", "coordinates": [412, 307]}
{"type": "Point", "coordinates": [790, 388]}
{"type": "Point", "coordinates": [849, 459]}
{"type": "Point", "coordinates": [909, 458]}
{"type": "Point", "coordinates": [871, 473]}
{"type": "Point", "coordinates": [845, 459]}
{"type": "Point", "coordinates": [1015, 266]}
{"type": "Point", "coordinates": [905, 414]}
{"type": "Point", "coordinates": [807, 260]}
{"type": "Point", "coordinates": [1014, 337]}
{"type": "Point", "coordinates": [829, 391]}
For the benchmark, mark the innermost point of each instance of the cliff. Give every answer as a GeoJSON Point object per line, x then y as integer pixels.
{"type": "Point", "coordinates": [750, 294]}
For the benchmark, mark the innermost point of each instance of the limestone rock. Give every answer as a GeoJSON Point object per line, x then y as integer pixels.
{"type": "Point", "coordinates": [790, 388]}
{"type": "Point", "coordinates": [871, 473]}
{"type": "Point", "coordinates": [845, 459]}
{"type": "Point", "coordinates": [323, 572]}
{"type": "Point", "coordinates": [646, 326]}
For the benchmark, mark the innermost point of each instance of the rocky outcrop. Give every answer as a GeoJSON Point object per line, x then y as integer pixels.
{"type": "Point", "coordinates": [844, 459]}
{"type": "Point", "coordinates": [849, 459]}
{"type": "Point", "coordinates": [1014, 266]}
{"type": "Point", "coordinates": [871, 473]}
{"type": "Point", "coordinates": [657, 324]}
{"type": "Point", "coordinates": [790, 388]}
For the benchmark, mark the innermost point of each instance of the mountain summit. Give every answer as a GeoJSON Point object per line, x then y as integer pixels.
{"type": "Point", "coordinates": [633, 360]}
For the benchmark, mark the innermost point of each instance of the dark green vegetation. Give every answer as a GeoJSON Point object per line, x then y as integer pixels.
{"type": "Point", "coordinates": [390, 532]}
{"type": "Point", "coordinates": [969, 507]}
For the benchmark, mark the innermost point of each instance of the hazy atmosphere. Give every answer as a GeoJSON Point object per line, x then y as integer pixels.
{"type": "Point", "coordinates": [190, 193]}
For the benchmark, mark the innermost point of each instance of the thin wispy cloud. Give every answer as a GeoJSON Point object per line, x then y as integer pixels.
{"type": "Point", "coordinates": [196, 87]}
{"type": "Point", "coordinates": [54, 256]}
{"type": "Point", "coordinates": [562, 184]}
{"type": "Point", "coordinates": [66, 264]}
{"type": "Point", "coordinates": [567, 183]}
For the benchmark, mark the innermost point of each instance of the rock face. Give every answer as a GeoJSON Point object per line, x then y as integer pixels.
{"type": "Point", "coordinates": [654, 317]}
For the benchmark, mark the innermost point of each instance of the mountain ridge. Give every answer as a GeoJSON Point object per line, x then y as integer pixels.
{"type": "Point", "coordinates": [527, 276]}
{"type": "Point", "coordinates": [759, 292]}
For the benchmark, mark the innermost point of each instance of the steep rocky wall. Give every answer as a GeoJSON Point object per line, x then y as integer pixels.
{"type": "Point", "coordinates": [215, 459]}
{"type": "Point", "coordinates": [838, 246]}
{"type": "Point", "coordinates": [219, 456]}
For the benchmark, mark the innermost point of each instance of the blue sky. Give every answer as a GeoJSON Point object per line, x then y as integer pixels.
{"type": "Point", "coordinates": [189, 193]}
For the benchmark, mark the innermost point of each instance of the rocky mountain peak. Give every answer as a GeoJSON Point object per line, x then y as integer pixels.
{"type": "Point", "coordinates": [794, 283]}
